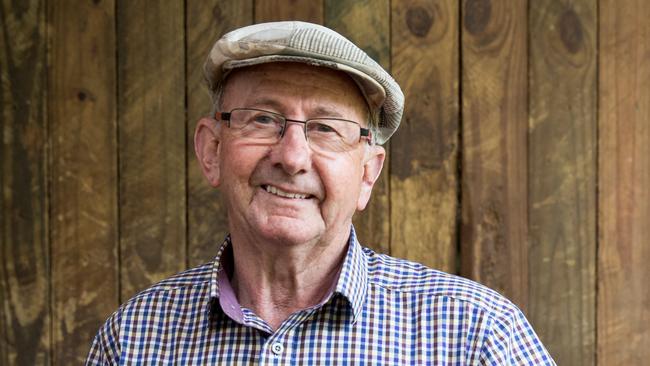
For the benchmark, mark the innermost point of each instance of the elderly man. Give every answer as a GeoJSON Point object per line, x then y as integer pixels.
{"type": "Point", "coordinates": [292, 144]}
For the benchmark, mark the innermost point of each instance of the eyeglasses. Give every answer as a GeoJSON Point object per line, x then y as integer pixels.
{"type": "Point", "coordinates": [323, 134]}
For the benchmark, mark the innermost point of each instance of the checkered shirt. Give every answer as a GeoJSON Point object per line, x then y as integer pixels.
{"type": "Point", "coordinates": [383, 311]}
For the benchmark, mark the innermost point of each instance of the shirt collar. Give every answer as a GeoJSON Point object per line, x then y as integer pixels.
{"type": "Point", "coordinates": [217, 266]}
{"type": "Point", "coordinates": [353, 280]}
{"type": "Point", "coordinates": [351, 284]}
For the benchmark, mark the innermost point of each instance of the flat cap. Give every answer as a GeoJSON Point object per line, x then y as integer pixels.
{"type": "Point", "coordinates": [294, 41]}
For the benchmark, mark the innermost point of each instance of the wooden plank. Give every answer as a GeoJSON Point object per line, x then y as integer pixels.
{"type": "Point", "coordinates": [367, 24]}
{"type": "Point", "coordinates": [207, 221]}
{"type": "Point", "coordinates": [151, 124]}
{"type": "Point", "coordinates": [562, 177]}
{"type": "Point", "coordinates": [423, 167]}
{"type": "Point", "coordinates": [624, 184]}
{"type": "Point", "coordinates": [494, 113]}
{"type": "Point", "coordinates": [24, 244]}
{"type": "Point", "coordinates": [275, 10]}
{"type": "Point", "coordinates": [81, 95]}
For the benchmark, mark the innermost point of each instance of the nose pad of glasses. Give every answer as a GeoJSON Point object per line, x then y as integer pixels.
{"type": "Point", "coordinates": [303, 126]}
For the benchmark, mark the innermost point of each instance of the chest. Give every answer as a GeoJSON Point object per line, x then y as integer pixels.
{"type": "Point", "coordinates": [389, 330]}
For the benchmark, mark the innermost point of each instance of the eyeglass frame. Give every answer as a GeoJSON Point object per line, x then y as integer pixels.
{"type": "Point", "coordinates": [364, 133]}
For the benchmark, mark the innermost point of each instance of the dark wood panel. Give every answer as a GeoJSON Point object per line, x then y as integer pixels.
{"type": "Point", "coordinates": [81, 91]}
{"type": "Point", "coordinates": [495, 120]}
{"type": "Point", "coordinates": [275, 10]}
{"type": "Point", "coordinates": [562, 177]}
{"type": "Point", "coordinates": [624, 183]}
{"type": "Point", "coordinates": [424, 151]}
{"type": "Point", "coordinates": [24, 244]}
{"type": "Point", "coordinates": [151, 124]}
{"type": "Point", "coordinates": [367, 24]}
{"type": "Point", "coordinates": [207, 222]}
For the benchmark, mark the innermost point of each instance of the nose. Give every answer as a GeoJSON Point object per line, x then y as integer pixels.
{"type": "Point", "coordinates": [292, 152]}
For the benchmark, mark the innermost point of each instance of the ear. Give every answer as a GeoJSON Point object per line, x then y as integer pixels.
{"type": "Point", "coordinates": [373, 162]}
{"type": "Point", "coordinates": [207, 148]}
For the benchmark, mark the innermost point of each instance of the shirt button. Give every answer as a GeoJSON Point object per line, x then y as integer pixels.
{"type": "Point", "coordinates": [277, 348]}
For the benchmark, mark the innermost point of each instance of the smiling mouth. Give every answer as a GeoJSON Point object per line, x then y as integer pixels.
{"type": "Point", "coordinates": [278, 192]}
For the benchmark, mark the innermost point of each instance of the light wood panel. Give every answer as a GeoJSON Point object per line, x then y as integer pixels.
{"type": "Point", "coordinates": [275, 10]}
{"type": "Point", "coordinates": [562, 177]}
{"type": "Point", "coordinates": [424, 151]}
{"type": "Point", "coordinates": [367, 24]}
{"type": "Point", "coordinates": [624, 184]}
{"type": "Point", "coordinates": [206, 213]}
{"type": "Point", "coordinates": [495, 116]}
{"type": "Point", "coordinates": [24, 244]}
{"type": "Point", "coordinates": [83, 138]}
{"type": "Point", "coordinates": [151, 124]}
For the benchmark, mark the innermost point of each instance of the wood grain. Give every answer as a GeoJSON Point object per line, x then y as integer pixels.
{"type": "Point", "coordinates": [424, 151]}
{"type": "Point", "coordinates": [530, 178]}
{"type": "Point", "coordinates": [151, 124]}
{"type": "Point", "coordinates": [624, 184]}
{"type": "Point", "coordinates": [494, 113]}
{"type": "Point", "coordinates": [276, 10]}
{"type": "Point", "coordinates": [562, 178]}
{"type": "Point", "coordinates": [24, 244]}
{"type": "Point", "coordinates": [207, 221]}
{"type": "Point", "coordinates": [367, 24]}
{"type": "Point", "coordinates": [81, 91]}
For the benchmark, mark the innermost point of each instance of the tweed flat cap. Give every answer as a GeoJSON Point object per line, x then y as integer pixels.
{"type": "Point", "coordinates": [294, 41]}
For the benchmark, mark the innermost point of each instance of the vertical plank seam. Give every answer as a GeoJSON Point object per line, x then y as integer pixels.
{"type": "Point", "coordinates": [4, 287]}
{"type": "Point", "coordinates": [3, 282]}
{"type": "Point", "coordinates": [390, 146]}
{"type": "Point", "coordinates": [597, 188]}
{"type": "Point", "coordinates": [459, 147]}
{"type": "Point", "coordinates": [526, 296]}
{"type": "Point", "coordinates": [118, 187]}
{"type": "Point", "coordinates": [47, 16]}
{"type": "Point", "coordinates": [187, 121]}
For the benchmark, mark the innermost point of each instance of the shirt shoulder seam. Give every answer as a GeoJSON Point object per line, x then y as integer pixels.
{"type": "Point", "coordinates": [494, 312]}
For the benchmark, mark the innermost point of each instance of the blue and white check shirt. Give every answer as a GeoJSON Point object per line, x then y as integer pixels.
{"type": "Point", "coordinates": [383, 311]}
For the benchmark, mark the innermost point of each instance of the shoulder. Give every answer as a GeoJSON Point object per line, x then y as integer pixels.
{"type": "Point", "coordinates": [190, 284]}
{"type": "Point", "coordinates": [507, 334]}
{"type": "Point", "coordinates": [400, 275]}
{"type": "Point", "coordinates": [167, 296]}
{"type": "Point", "coordinates": [197, 277]}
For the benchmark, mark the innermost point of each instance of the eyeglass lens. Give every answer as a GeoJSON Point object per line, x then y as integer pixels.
{"type": "Point", "coordinates": [327, 134]}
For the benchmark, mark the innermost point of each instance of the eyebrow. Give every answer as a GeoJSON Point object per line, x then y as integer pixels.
{"type": "Point", "coordinates": [321, 111]}
{"type": "Point", "coordinates": [266, 102]}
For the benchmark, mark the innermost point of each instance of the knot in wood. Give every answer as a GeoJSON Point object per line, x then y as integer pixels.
{"type": "Point", "coordinates": [419, 21]}
{"type": "Point", "coordinates": [570, 30]}
{"type": "Point", "coordinates": [477, 15]}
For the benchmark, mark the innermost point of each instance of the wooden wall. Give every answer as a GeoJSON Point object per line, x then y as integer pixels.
{"type": "Point", "coordinates": [523, 160]}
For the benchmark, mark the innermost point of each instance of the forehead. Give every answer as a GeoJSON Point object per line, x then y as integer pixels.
{"type": "Point", "coordinates": [291, 84]}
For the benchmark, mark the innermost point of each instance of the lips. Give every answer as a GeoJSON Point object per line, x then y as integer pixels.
{"type": "Point", "coordinates": [281, 193]}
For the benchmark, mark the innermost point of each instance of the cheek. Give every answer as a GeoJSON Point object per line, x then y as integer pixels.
{"type": "Point", "coordinates": [239, 162]}
{"type": "Point", "coordinates": [342, 180]}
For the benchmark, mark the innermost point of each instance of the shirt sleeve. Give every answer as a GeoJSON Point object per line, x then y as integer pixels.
{"type": "Point", "coordinates": [512, 341]}
{"type": "Point", "coordinates": [105, 348]}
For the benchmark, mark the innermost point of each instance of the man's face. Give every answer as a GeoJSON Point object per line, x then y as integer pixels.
{"type": "Point", "coordinates": [255, 179]}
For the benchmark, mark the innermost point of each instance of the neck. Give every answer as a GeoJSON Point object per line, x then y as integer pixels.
{"type": "Point", "coordinates": [276, 280]}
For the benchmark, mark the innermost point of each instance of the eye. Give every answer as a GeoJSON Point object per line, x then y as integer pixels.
{"type": "Point", "coordinates": [265, 119]}
{"type": "Point", "coordinates": [323, 128]}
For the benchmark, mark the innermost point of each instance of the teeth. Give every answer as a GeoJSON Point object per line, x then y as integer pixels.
{"type": "Point", "coordinates": [278, 192]}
